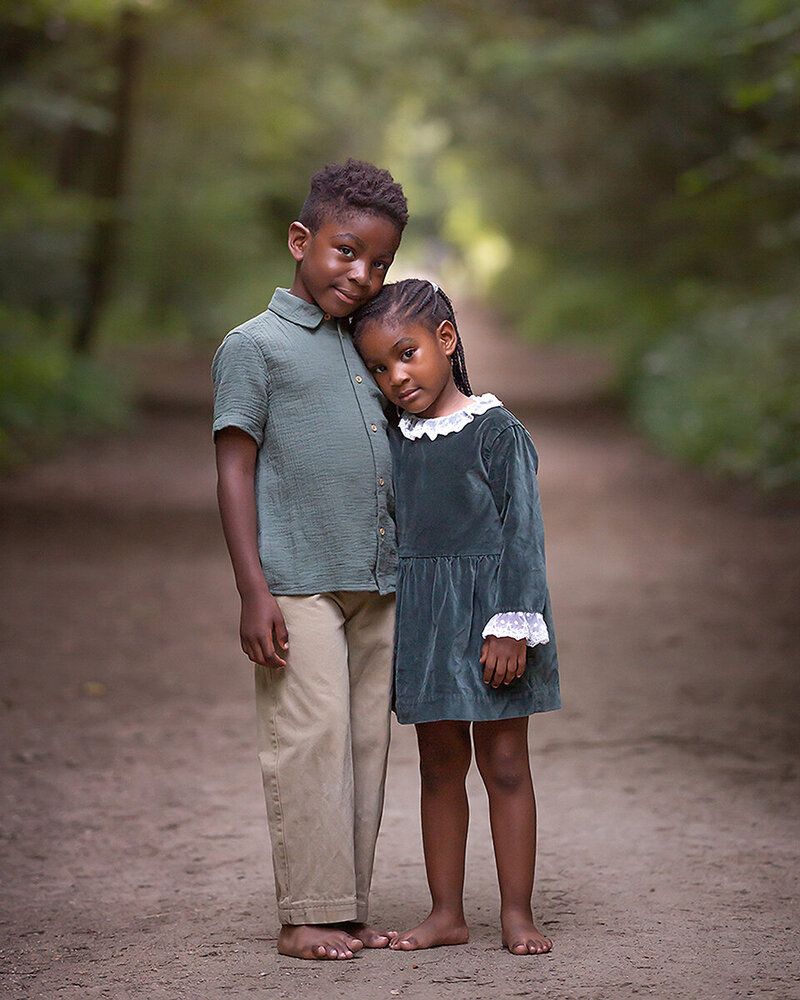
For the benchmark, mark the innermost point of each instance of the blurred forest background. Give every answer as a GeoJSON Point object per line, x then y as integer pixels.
{"type": "Point", "coordinates": [623, 173]}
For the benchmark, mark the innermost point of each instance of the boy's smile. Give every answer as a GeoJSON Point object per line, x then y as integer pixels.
{"type": "Point", "coordinates": [411, 365]}
{"type": "Point", "coordinates": [344, 263]}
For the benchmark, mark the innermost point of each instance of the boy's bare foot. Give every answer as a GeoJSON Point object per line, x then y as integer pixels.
{"type": "Point", "coordinates": [437, 929]}
{"type": "Point", "coordinates": [317, 941]}
{"type": "Point", "coordinates": [521, 936]}
{"type": "Point", "coordinates": [367, 935]}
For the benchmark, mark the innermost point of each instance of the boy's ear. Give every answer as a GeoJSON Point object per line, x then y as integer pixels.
{"type": "Point", "coordinates": [299, 236]}
{"type": "Point", "coordinates": [448, 338]}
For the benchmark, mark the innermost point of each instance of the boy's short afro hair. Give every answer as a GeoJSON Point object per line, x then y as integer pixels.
{"type": "Point", "coordinates": [340, 189]}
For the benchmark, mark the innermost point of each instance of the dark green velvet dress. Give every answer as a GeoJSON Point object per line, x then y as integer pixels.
{"type": "Point", "coordinates": [471, 545]}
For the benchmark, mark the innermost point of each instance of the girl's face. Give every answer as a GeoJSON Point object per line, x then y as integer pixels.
{"type": "Point", "coordinates": [411, 365]}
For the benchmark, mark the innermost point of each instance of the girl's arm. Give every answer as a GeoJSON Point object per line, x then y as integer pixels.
{"type": "Point", "coordinates": [522, 588]}
{"type": "Point", "coordinates": [512, 465]}
{"type": "Point", "coordinates": [262, 629]}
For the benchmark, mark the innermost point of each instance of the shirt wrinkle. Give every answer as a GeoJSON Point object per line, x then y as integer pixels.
{"type": "Point", "coordinates": [281, 377]}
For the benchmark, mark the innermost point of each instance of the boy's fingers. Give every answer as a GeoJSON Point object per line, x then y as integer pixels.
{"type": "Point", "coordinates": [271, 658]}
{"type": "Point", "coordinates": [281, 632]}
{"type": "Point", "coordinates": [253, 653]}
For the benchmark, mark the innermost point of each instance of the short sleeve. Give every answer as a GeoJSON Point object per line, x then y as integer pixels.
{"type": "Point", "coordinates": [512, 463]}
{"type": "Point", "coordinates": [241, 386]}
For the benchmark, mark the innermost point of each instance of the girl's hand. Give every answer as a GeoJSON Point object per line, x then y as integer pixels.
{"type": "Point", "coordinates": [503, 659]}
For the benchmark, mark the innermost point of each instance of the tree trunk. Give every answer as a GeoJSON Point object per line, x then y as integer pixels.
{"type": "Point", "coordinates": [110, 182]}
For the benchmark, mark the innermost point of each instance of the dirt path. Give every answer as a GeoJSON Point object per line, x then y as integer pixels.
{"type": "Point", "coordinates": [132, 841]}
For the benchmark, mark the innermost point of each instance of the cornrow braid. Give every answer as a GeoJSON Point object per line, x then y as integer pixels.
{"type": "Point", "coordinates": [415, 299]}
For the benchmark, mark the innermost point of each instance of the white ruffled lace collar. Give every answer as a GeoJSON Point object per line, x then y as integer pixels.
{"type": "Point", "coordinates": [414, 428]}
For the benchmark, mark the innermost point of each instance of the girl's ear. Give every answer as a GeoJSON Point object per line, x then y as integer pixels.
{"type": "Point", "coordinates": [447, 336]}
{"type": "Point", "coordinates": [299, 236]}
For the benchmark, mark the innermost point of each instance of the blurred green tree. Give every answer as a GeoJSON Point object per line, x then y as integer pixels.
{"type": "Point", "coordinates": [612, 169]}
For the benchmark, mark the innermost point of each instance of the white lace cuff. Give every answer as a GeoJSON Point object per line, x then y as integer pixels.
{"type": "Point", "coordinates": [527, 625]}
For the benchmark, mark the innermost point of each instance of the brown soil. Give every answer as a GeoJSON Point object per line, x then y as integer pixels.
{"type": "Point", "coordinates": [132, 834]}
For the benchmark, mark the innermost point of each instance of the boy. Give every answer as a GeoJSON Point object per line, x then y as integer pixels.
{"type": "Point", "coordinates": [305, 496]}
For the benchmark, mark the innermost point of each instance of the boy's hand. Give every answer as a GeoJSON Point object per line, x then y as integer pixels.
{"type": "Point", "coordinates": [262, 630]}
{"type": "Point", "coordinates": [503, 659]}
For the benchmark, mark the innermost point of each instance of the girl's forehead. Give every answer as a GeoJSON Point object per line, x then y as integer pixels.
{"type": "Point", "coordinates": [389, 330]}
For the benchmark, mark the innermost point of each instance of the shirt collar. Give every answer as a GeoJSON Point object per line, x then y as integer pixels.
{"type": "Point", "coordinates": [297, 310]}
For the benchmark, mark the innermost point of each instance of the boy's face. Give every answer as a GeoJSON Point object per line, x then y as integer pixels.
{"type": "Point", "coordinates": [344, 263]}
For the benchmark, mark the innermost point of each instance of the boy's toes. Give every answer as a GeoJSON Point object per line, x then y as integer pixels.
{"type": "Point", "coordinates": [403, 944]}
{"type": "Point", "coordinates": [365, 936]}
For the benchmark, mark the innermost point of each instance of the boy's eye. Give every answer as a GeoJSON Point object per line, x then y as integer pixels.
{"type": "Point", "coordinates": [378, 369]}
{"type": "Point", "coordinates": [407, 354]}
{"type": "Point", "coordinates": [347, 251]}
{"type": "Point", "coordinates": [382, 265]}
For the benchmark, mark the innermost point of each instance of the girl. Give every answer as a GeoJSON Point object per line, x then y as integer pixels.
{"type": "Point", "coordinates": [474, 646]}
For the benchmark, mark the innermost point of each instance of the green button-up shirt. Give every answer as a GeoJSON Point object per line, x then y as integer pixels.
{"type": "Point", "coordinates": [292, 380]}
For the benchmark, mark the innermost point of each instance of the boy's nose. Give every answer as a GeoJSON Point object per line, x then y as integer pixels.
{"type": "Point", "coordinates": [359, 273]}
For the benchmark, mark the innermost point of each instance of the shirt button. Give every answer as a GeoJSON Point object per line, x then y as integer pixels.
{"type": "Point", "coordinates": [326, 317]}
{"type": "Point", "coordinates": [359, 378]}
{"type": "Point", "coordinates": [374, 426]}
{"type": "Point", "coordinates": [383, 532]}
{"type": "Point", "coordinates": [381, 480]}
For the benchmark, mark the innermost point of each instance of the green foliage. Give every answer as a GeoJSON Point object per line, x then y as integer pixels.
{"type": "Point", "coordinates": [722, 390]}
{"type": "Point", "coordinates": [46, 393]}
{"type": "Point", "coordinates": [606, 170]}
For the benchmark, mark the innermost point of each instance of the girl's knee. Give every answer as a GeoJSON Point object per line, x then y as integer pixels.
{"type": "Point", "coordinates": [504, 764]}
{"type": "Point", "coordinates": [444, 755]}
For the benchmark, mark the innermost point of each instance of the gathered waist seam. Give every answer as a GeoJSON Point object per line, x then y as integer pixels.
{"type": "Point", "coordinates": [446, 555]}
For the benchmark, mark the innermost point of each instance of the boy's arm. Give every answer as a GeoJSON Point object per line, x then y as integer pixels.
{"type": "Point", "coordinates": [262, 628]}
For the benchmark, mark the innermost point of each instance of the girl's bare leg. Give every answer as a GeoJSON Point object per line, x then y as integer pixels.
{"type": "Point", "coordinates": [444, 758]}
{"type": "Point", "coordinates": [501, 752]}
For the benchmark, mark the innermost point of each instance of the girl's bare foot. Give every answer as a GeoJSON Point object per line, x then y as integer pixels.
{"type": "Point", "coordinates": [437, 929]}
{"type": "Point", "coordinates": [317, 941]}
{"type": "Point", "coordinates": [367, 935]}
{"type": "Point", "coordinates": [521, 936]}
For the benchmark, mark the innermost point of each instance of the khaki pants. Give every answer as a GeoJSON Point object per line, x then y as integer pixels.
{"type": "Point", "coordinates": [323, 739]}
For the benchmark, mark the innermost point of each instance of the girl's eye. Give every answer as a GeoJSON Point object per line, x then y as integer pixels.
{"type": "Point", "coordinates": [407, 354]}
{"type": "Point", "coordinates": [347, 251]}
{"type": "Point", "coordinates": [382, 265]}
{"type": "Point", "coordinates": [379, 369]}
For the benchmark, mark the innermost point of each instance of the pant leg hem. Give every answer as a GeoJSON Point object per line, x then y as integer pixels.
{"type": "Point", "coordinates": [321, 913]}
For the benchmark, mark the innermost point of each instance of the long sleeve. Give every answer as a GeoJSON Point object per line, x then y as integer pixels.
{"type": "Point", "coordinates": [512, 463]}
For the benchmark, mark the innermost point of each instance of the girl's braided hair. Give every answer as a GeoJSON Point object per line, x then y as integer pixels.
{"type": "Point", "coordinates": [415, 299]}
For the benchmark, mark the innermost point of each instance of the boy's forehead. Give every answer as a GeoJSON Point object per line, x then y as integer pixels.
{"type": "Point", "coordinates": [366, 226]}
